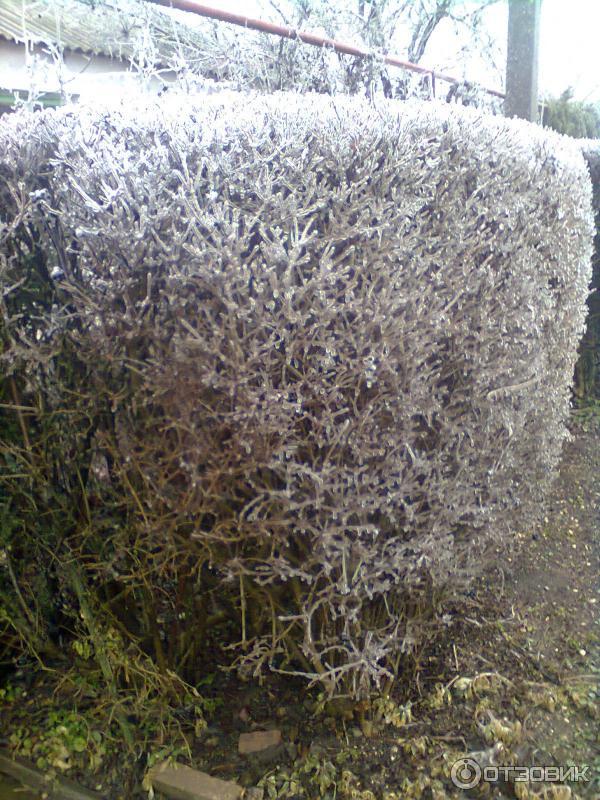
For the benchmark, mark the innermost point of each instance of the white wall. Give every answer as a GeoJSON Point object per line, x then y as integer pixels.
{"type": "Point", "coordinates": [26, 68]}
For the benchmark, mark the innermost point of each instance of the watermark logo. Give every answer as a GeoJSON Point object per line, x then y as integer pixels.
{"type": "Point", "coordinates": [466, 774]}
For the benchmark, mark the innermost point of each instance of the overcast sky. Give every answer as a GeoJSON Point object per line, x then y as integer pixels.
{"type": "Point", "coordinates": [569, 51]}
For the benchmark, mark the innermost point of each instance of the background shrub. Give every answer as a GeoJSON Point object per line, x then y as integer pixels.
{"type": "Point", "coordinates": [580, 120]}
{"type": "Point", "coordinates": [571, 117]}
{"type": "Point", "coordinates": [285, 367]}
{"type": "Point", "coordinates": [587, 374]}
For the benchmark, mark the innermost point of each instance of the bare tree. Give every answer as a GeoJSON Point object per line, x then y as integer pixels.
{"type": "Point", "coordinates": [391, 26]}
{"type": "Point", "coordinates": [160, 45]}
{"type": "Point", "coordinates": [378, 22]}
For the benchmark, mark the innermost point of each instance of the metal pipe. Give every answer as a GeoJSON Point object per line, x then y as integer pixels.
{"type": "Point", "coordinates": [308, 38]}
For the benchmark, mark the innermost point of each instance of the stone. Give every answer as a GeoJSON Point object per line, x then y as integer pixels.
{"type": "Point", "coordinates": [255, 793]}
{"type": "Point", "coordinates": [257, 741]}
{"type": "Point", "coordinates": [179, 782]}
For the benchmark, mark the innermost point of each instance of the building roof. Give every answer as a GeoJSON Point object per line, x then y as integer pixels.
{"type": "Point", "coordinates": [115, 28]}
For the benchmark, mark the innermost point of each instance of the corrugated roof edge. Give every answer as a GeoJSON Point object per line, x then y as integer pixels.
{"type": "Point", "coordinates": [101, 28]}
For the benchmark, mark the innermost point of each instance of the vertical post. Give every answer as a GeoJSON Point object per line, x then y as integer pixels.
{"type": "Point", "coordinates": [522, 59]}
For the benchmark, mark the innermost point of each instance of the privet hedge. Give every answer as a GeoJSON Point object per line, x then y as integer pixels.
{"type": "Point", "coordinates": [285, 365]}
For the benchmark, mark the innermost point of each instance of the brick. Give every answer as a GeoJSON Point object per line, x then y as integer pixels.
{"type": "Point", "coordinates": [179, 782]}
{"type": "Point", "coordinates": [258, 740]}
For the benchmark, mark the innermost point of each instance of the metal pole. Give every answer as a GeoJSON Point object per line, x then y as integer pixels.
{"type": "Point", "coordinates": [522, 59]}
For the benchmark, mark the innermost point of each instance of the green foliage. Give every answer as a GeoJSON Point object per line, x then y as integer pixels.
{"type": "Point", "coordinates": [64, 739]}
{"type": "Point", "coordinates": [588, 414]}
{"type": "Point", "coordinates": [10, 693]}
{"type": "Point", "coordinates": [572, 117]}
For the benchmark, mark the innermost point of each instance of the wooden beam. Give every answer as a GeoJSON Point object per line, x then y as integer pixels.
{"type": "Point", "coordinates": [58, 788]}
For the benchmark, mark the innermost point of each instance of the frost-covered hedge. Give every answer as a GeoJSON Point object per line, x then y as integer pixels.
{"type": "Point", "coordinates": [294, 361]}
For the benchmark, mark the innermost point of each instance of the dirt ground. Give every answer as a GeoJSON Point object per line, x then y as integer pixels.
{"type": "Point", "coordinates": [514, 681]}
